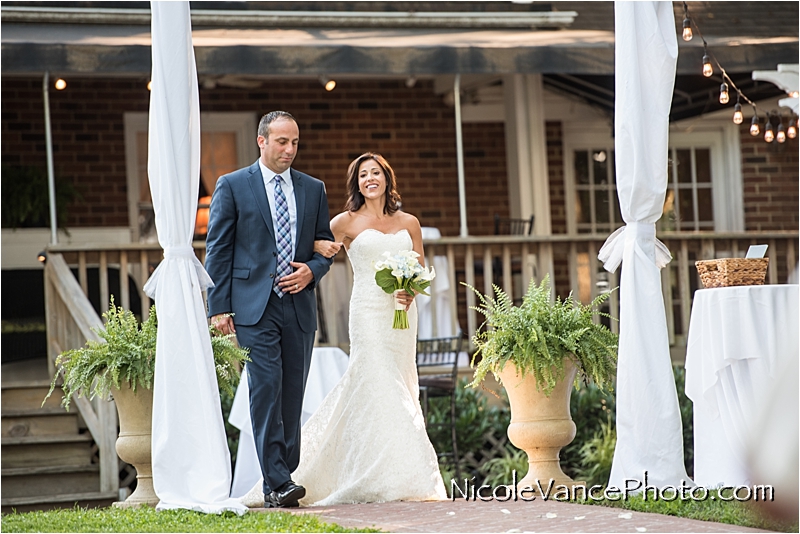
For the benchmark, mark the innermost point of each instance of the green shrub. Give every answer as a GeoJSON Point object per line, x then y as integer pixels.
{"type": "Point", "coordinates": [474, 418]}
{"type": "Point", "coordinates": [26, 198]}
{"type": "Point", "coordinates": [590, 407]}
{"type": "Point", "coordinates": [499, 470]}
{"type": "Point", "coordinates": [127, 353]}
{"type": "Point", "coordinates": [597, 454]}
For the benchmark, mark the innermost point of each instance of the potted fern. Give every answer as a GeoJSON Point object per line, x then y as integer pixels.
{"type": "Point", "coordinates": [122, 365]}
{"type": "Point", "coordinates": [538, 351]}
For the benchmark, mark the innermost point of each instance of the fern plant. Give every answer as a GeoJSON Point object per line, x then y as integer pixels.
{"type": "Point", "coordinates": [539, 334]}
{"type": "Point", "coordinates": [127, 353]}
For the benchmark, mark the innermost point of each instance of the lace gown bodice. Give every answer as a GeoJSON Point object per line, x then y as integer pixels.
{"type": "Point", "coordinates": [367, 441]}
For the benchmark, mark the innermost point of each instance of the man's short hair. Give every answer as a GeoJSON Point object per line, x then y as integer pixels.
{"type": "Point", "coordinates": [269, 118]}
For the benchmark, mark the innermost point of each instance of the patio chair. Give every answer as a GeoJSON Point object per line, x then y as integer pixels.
{"type": "Point", "coordinates": [513, 226]}
{"type": "Point", "coordinates": [437, 366]}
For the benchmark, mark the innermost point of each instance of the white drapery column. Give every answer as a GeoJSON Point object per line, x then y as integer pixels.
{"type": "Point", "coordinates": [190, 457]}
{"type": "Point", "coordinates": [649, 433]}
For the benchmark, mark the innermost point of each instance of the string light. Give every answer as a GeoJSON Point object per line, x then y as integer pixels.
{"type": "Point", "coordinates": [724, 97]}
{"type": "Point", "coordinates": [708, 70]}
{"type": "Point", "coordinates": [769, 135]}
{"type": "Point", "coordinates": [687, 24]}
{"type": "Point", "coordinates": [327, 83]}
{"type": "Point", "coordinates": [755, 128]}
{"type": "Point", "coordinates": [150, 85]}
{"type": "Point", "coordinates": [738, 117]}
{"type": "Point", "coordinates": [791, 131]}
{"type": "Point", "coordinates": [781, 137]}
{"type": "Point", "coordinates": [727, 83]}
{"type": "Point", "coordinates": [61, 84]}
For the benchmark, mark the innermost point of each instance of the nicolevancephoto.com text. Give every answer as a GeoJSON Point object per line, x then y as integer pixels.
{"type": "Point", "coordinates": [579, 492]}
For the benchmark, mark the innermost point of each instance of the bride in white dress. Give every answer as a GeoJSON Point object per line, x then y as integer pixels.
{"type": "Point", "coordinates": [367, 441]}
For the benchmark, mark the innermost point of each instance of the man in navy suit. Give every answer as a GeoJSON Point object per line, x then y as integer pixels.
{"type": "Point", "coordinates": [263, 222]}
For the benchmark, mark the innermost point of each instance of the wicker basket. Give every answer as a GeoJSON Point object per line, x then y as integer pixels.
{"type": "Point", "coordinates": [732, 272]}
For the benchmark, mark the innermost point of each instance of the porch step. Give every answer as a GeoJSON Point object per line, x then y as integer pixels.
{"type": "Point", "coordinates": [42, 422]}
{"type": "Point", "coordinates": [47, 451]}
{"type": "Point", "coordinates": [29, 395]}
{"type": "Point", "coordinates": [96, 499]}
{"type": "Point", "coordinates": [49, 481]}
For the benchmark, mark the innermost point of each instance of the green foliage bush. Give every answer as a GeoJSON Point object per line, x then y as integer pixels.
{"type": "Point", "coordinates": [537, 335]}
{"type": "Point", "coordinates": [127, 353]}
{"type": "Point", "coordinates": [25, 199]}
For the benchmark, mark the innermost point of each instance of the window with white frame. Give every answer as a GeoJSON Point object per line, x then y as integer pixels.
{"type": "Point", "coordinates": [227, 142]}
{"type": "Point", "coordinates": [704, 182]}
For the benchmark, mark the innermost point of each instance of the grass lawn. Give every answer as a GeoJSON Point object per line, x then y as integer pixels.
{"type": "Point", "coordinates": [146, 519]}
{"type": "Point", "coordinates": [712, 509]}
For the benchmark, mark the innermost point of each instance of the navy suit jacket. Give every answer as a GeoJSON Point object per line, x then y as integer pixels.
{"type": "Point", "coordinates": [241, 255]}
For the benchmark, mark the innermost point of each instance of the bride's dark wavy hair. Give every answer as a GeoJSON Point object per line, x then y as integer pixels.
{"type": "Point", "coordinates": [354, 197]}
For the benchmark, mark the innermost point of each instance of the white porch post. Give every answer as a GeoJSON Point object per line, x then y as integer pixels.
{"type": "Point", "coordinates": [526, 155]}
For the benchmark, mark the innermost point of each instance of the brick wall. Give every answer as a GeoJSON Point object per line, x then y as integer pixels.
{"type": "Point", "coordinates": [411, 127]}
{"type": "Point", "coordinates": [88, 140]}
{"type": "Point", "coordinates": [770, 178]}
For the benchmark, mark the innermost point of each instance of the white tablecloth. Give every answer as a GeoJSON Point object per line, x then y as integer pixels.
{"type": "Point", "coordinates": [328, 364]}
{"type": "Point", "coordinates": [739, 339]}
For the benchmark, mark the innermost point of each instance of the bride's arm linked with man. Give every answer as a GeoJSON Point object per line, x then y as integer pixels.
{"type": "Point", "coordinates": [270, 240]}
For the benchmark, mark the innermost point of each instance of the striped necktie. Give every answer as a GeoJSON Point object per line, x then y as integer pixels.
{"type": "Point", "coordinates": [283, 235]}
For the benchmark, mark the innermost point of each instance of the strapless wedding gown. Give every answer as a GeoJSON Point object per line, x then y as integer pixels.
{"type": "Point", "coordinates": [367, 440]}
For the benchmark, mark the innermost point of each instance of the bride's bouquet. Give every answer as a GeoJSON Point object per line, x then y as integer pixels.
{"type": "Point", "coordinates": [402, 271]}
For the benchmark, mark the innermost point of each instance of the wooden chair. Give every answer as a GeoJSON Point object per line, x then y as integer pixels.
{"type": "Point", "coordinates": [437, 367]}
{"type": "Point", "coordinates": [513, 226]}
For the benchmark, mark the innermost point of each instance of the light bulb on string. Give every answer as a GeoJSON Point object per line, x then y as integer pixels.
{"type": "Point", "coordinates": [755, 129]}
{"type": "Point", "coordinates": [769, 134]}
{"type": "Point", "coordinates": [687, 29]}
{"type": "Point", "coordinates": [687, 24]}
{"type": "Point", "coordinates": [724, 96]}
{"type": "Point", "coordinates": [708, 70]}
{"type": "Point", "coordinates": [738, 117]}
{"type": "Point", "coordinates": [781, 136]}
{"type": "Point", "coordinates": [61, 84]}
{"type": "Point", "coordinates": [791, 131]}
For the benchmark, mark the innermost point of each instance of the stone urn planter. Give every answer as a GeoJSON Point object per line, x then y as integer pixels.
{"type": "Point", "coordinates": [549, 341]}
{"type": "Point", "coordinates": [134, 445]}
{"type": "Point", "coordinates": [540, 425]}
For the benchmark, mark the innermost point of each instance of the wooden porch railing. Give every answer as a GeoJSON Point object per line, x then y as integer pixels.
{"type": "Point", "coordinates": [69, 318]}
{"type": "Point", "coordinates": [511, 262]}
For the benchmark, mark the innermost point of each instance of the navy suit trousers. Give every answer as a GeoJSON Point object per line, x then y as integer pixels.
{"type": "Point", "coordinates": [281, 355]}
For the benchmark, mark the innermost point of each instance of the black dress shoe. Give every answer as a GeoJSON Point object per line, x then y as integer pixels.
{"type": "Point", "coordinates": [286, 496]}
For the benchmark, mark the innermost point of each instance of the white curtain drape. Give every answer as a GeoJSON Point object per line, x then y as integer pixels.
{"type": "Point", "coordinates": [649, 435]}
{"type": "Point", "coordinates": [191, 462]}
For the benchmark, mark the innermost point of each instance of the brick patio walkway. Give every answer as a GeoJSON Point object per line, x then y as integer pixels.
{"type": "Point", "coordinates": [478, 516]}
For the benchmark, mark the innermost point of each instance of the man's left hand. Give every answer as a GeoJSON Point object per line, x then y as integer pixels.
{"type": "Point", "coordinates": [297, 281]}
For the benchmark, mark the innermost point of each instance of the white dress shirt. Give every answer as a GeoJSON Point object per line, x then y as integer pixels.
{"type": "Point", "coordinates": [287, 186]}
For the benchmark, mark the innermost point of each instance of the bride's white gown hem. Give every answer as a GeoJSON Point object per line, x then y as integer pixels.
{"type": "Point", "coordinates": [367, 441]}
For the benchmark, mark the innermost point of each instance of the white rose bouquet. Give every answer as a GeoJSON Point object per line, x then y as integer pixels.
{"type": "Point", "coordinates": [402, 271]}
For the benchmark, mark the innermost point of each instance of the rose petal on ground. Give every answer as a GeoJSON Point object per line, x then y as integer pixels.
{"type": "Point", "coordinates": [625, 516]}
{"type": "Point", "coordinates": [579, 517]}
{"type": "Point", "coordinates": [641, 529]}
{"type": "Point", "coordinates": [550, 515]}
{"type": "Point", "coordinates": [505, 511]}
